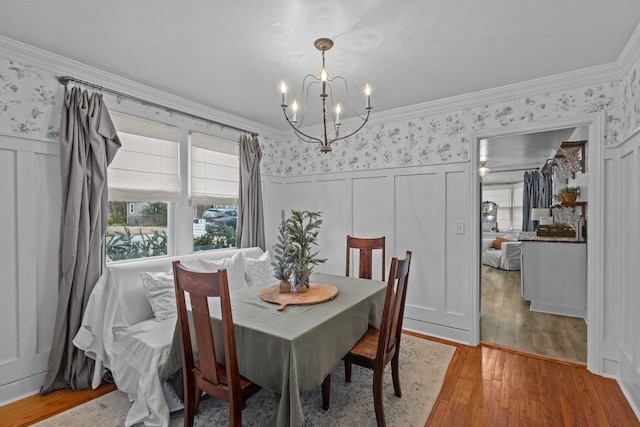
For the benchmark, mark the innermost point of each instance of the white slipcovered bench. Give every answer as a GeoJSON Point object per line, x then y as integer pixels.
{"type": "Point", "coordinates": [120, 332]}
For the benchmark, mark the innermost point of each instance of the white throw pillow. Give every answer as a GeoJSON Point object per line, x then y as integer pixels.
{"type": "Point", "coordinates": [234, 266]}
{"type": "Point", "coordinates": [258, 270]}
{"type": "Point", "coordinates": [158, 287]}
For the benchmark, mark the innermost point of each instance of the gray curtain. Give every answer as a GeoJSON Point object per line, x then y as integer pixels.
{"type": "Point", "coordinates": [545, 198]}
{"type": "Point", "coordinates": [88, 143]}
{"type": "Point", "coordinates": [250, 230]}
{"type": "Point", "coordinates": [529, 199]}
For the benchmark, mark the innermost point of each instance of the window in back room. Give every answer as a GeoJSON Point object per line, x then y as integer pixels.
{"type": "Point", "coordinates": [508, 197]}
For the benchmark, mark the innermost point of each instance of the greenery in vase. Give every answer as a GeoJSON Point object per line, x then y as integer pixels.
{"type": "Point", "coordinates": [283, 253]}
{"type": "Point", "coordinates": [302, 232]}
{"type": "Point", "coordinates": [570, 190]}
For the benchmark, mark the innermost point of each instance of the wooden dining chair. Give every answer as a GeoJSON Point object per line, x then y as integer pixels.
{"type": "Point", "coordinates": [378, 347]}
{"type": "Point", "coordinates": [222, 382]}
{"type": "Point", "coordinates": [366, 246]}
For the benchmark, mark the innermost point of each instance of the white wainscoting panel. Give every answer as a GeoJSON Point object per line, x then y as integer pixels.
{"type": "Point", "coordinates": [372, 216]}
{"type": "Point", "coordinates": [334, 200]}
{"type": "Point", "coordinates": [417, 209]}
{"type": "Point", "coordinates": [273, 203]}
{"type": "Point", "coordinates": [30, 226]}
{"type": "Point", "coordinates": [8, 258]}
{"type": "Point", "coordinates": [624, 213]}
{"type": "Point", "coordinates": [300, 195]}
{"type": "Point", "coordinates": [420, 227]}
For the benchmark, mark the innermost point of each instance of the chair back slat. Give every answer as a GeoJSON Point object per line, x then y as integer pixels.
{"type": "Point", "coordinates": [395, 299]}
{"type": "Point", "coordinates": [366, 246]}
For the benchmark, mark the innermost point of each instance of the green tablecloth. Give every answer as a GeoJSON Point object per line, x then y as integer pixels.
{"type": "Point", "coordinates": [294, 350]}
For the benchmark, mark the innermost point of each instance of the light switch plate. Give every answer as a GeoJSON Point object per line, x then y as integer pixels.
{"type": "Point", "coordinates": [459, 227]}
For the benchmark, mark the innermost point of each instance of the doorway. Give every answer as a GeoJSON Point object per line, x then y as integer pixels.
{"type": "Point", "coordinates": [506, 316]}
{"type": "Point", "coordinates": [595, 125]}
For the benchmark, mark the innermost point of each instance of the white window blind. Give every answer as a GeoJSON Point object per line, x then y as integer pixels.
{"type": "Point", "coordinates": [146, 166]}
{"type": "Point", "coordinates": [214, 171]}
{"type": "Point", "coordinates": [508, 197]}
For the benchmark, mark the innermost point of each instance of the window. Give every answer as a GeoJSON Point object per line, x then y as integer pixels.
{"type": "Point", "coordinates": [143, 184]}
{"type": "Point", "coordinates": [213, 190]}
{"type": "Point", "coordinates": [508, 197]}
{"type": "Point", "coordinates": [162, 182]}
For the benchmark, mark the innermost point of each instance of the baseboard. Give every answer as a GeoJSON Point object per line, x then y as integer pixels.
{"type": "Point", "coordinates": [559, 310]}
{"type": "Point", "coordinates": [437, 331]}
{"type": "Point", "coordinates": [632, 397]}
{"type": "Point", "coordinates": [22, 388]}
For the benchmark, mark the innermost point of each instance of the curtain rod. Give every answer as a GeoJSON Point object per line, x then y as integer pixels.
{"type": "Point", "coordinates": [516, 170]}
{"type": "Point", "coordinates": [66, 79]}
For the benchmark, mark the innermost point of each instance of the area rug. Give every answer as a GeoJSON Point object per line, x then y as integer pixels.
{"type": "Point", "coordinates": [423, 365]}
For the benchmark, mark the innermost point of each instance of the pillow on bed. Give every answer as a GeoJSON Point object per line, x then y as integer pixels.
{"type": "Point", "coordinates": [234, 266]}
{"type": "Point", "coordinates": [258, 270]}
{"type": "Point", "coordinates": [158, 287]}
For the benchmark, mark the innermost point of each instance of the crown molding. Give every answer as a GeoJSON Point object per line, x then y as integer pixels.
{"type": "Point", "coordinates": [630, 55]}
{"type": "Point", "coordinates": [59, 66]}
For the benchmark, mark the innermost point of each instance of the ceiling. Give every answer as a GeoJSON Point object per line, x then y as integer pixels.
{"type": "Point", "coordinates": [509, 157]}
{"type": "Point", "coordinates": [232, 55]}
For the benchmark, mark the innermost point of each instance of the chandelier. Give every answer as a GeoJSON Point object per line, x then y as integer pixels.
{"type": "Point", "coordinates": [326, 96]}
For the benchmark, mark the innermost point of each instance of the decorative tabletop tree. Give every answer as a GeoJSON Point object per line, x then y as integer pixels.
{"type": "Point", "coordinates": [302, 230]}
{"type": "Point", "coordinates": [283, 256]}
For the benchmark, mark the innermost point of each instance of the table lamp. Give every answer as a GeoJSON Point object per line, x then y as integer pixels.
{"type": "Point", "coordinates": [537, 213]}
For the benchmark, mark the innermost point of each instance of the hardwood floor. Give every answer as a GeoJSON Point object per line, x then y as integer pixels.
{"type": "Point", "coordinates": [36, 408]}
{"type": "Point", "coordinates": [487, 386]}
{"type": "Point", "coordinates": [484, 386]}
{"type": "Point", "coordinates": [506, 320]}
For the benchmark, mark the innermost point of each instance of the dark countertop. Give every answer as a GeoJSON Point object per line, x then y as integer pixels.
{"type": "Point", "coordinates": [530, 236]}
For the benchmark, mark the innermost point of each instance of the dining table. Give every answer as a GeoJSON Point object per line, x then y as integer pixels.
{"type": "Point", "coordinates": [293, 350]}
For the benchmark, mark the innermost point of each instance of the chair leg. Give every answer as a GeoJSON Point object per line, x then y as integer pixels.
{"type": "Point", "coordinates": [377, 396]}
{"type": "Point", "coordinates": [347, 371]}
{"type": "Point", "coordinates": [326, 391]}
{"type": "Point", "coordinates": [198, 395]}
{"type": "Point", "coordinates": [189, 404]}
{"type": "Point", "coordinates": [395, 374]}
{"type": "Point", "coordinates": [235, 415]}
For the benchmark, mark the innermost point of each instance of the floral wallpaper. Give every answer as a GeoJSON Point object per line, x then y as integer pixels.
{"type": "Point", "coordinates": [438, 138]}
{"type": "Point", "coordinates": [31, 99]}
{"type": "Point", "coordinates": [631, 99]}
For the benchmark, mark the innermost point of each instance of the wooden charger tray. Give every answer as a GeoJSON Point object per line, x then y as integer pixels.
{"type": "Point", "coordinates": [316, 294]}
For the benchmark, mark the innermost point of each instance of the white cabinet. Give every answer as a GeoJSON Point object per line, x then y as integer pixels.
{"type": "Point", "coordinates": [554, 277]}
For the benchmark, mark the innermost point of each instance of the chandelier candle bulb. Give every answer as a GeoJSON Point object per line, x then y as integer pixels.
{"type": "Point", "coordinates": [294, 107]}
{"type": "Point", "coordinates": [283, 89]}
{"type": "Point", "coordinates": [323, 78]}
{"type": "Point", "coordinates": [367, 92]}
{"type": "Point", "coordinates": [338, 110]}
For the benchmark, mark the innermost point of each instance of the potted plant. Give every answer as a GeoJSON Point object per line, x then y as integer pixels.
{"type": "Point", "coordinates": [283, 258]}
{"type": "Point", "coordinates": [302, 230]}
{"type": "Point", "coordinates": [568, 194]}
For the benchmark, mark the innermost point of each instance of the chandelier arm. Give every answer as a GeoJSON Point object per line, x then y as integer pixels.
{"type": "Point", "coordinates": [299, 132]}
{"type": "Point", "coordinates": [355, 131]}
{"type": "Point", "coordinates": [346, 87]}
